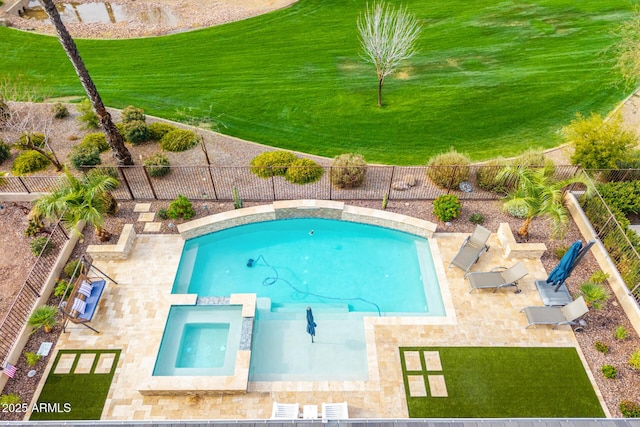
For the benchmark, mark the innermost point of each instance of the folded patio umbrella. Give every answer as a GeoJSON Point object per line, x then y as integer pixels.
{"type": "Point", "coordinates": [311, 325]}
{"type": "Point", "coordinates": [559, 274]}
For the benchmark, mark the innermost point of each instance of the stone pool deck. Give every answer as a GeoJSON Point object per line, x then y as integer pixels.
{"type": "Point", "coordinates": [132, 315]}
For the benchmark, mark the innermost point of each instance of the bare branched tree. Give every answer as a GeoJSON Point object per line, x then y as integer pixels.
{"type": "Point", "coordinates": [388, 36]}
{"type": "Point", "coordinates": [114, 138]}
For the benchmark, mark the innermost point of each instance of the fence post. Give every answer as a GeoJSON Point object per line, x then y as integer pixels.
{"type": "Point", "coordinates": [215, 193]}
{"type": "Point", "coordinates": [273, 184]}
{"type": "Point", "coordinates": [24, 185]}
{"type": "Point", "coordinates": [330, 182]}
{"type": "Point", "coordinates": [153, 190]}
{"type": "Point", "coordinates": [126, 182]}
{"type": "Point", "coordinates": [453, 175]}
{"type": "Point", "coordinates": [393, 172]}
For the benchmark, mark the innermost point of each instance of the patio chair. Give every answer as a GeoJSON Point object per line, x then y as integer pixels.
{"type": "Point", "coordinates": [335, 411]}
{"type": "Point", "coordinates": [471, 249]}
{"type": "Point", "coordinates": [556, 316]}
{"type": "Point", "coordinates": [497, 278]}
{"type": "Point", "coordinates": [285, 411]}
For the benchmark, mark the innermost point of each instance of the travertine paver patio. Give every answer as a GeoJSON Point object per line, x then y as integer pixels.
{"type": "Point", "coordinates": [132, 314]}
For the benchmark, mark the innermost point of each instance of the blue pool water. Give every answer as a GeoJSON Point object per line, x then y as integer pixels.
{"type": "Point", "coordinates": [360, 267]}
{"type": "Point", "coordinates": [203, 345]}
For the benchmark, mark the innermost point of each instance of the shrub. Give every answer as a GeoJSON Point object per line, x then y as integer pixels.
{"type": "Point", "coordinates": [621, 333]}
{"type": "Point", "coordinates": [599, 277]}
{"type": "Point", "coordinates": [10, 399]}
{"type": "Point", "coordinates": [449, 169]}
{"type": "Point", "coordinates": [447, 207]}
{"type": "Point", "coordinates": [159, 129]}
{"type": "Point", "coordinates": [61, 288]}
{"type": "Point", "coordinates": [178, 140]}
{"type": "Point", "coordinates": [634, 360]}
{"type": "Point", "coordinates": [476, 218]}
{"type": "Point", "coordinates": [599, 144]}
{"type": "Point", "coordinates": [5, 151]}
{"type": "Point", "coordinates": [560, 251]}
{"type": "Point", "coordinates": [162, 214]}
{"type": "Point", "coordinates": [31, 358]}
{"type": "Point", "coordinates": [33, 227]}
{"type": "Point", "coordinates": [517, 211]}
{"type": "Point", "coordinates": [534, 159]}
{"type": "Point", "coordinates": [28, 162]}
{"type": "Point", "coordinates": [132, 114]}
{"type": "Point", "coordinates": [601, 347]}
{"type": "Point", "coordinates": [629, 409]}
{"type": "Point", "coordinates": [108, 171]}
{"type": "Point", "coordinates": [180, 208]}
{"type": "Point", "coordinates": [487, 175]}
{"type": "Point", "coordinates": [84, 155]}
{"type": "Point", "coordinates": [96, 139]}
{"type": "Point", "coordinates": [595, 295]}
{"type": "Point", "coordinates": [385, 201]}
{"type": "Point", "coordinates": [304, 171]}
{"type": "Point", "coordinates": [609, 371]}
{"type": "Point", "coordinates": [59, 110]}
{"type": "Point", "coordinates": [71, 266]}
{"type": "Point", "coordinates": [43, 317]}
{"type": "Point", "coordinates": [36, 138]}
{"type": "Point", "coordinates": [272, 163]}
{"type": "Point", "coordinates": [157, 165]}
{"type": "Point", "coordinates": [88, 117]}
{"type": "Point", "coordinates": [41, 245]}
{"type": "Point", "coordinates": [237, 201]}
{"type": "Point", "coordinates": [137, 132]}
{"type": "Point", "coordinates": [348, 171]}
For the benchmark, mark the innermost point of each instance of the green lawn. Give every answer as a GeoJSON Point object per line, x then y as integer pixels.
{"type": "Point", "coordinates": [79, 394]}
{"type": "Point", "coordinates": [492, 78]}
{"type": "Point", "coordinates": [505, 382]}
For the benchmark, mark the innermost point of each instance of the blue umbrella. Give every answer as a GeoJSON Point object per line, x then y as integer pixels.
{"type": "Point", "coordinates": [311, 325]}
{"type": "Point", "coordinates": [559, 274]}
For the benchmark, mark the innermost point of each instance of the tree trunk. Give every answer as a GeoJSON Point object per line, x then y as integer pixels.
{"type": "Point", "coordinates": [380, 83]}
{"type": "Point", "coordinates": [115, 140]}
{"type": "Point", "coordinates": [48, 154]}
{"type": "Point", "coordinates": [524, 230]}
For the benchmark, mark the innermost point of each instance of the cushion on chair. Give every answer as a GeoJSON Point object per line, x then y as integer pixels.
{"type": "Point", "coordinates": [85, 288]}
{"type": "Point", "coordinates": [78, 305]}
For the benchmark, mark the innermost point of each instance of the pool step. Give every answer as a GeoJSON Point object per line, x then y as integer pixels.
{"type": "Point", "coordinates": [302, 308]}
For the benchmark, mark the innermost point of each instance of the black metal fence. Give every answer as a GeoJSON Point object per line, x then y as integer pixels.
{"type": "Point", "coordinates": [31, 290]}
{"type": "Point", "coordinates": [475, 182]}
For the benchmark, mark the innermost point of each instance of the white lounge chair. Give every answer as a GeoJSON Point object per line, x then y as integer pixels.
{"type": "Point", "coordinates": [335, 411]}
{"type": "Point", "coordinates": [556, 316]}
{"type": "Point", "coordinates": [497, 278]}
{"type": "Point", "coordinates": [471, 249]}
{"type": "Point", "coordinates": [285, 411]}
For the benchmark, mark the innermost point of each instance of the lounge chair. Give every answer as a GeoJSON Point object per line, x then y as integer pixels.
{"type": "Point", "coordinates": [556, 316]}
{"type": "Point", "coordinates": [335, 411]}
{"type": "Point", "coordinates": [497, 278]}
{"type": "Point", "coordinates": [285, 411]}
{"type": "Point", "coordinates": [471, 249]}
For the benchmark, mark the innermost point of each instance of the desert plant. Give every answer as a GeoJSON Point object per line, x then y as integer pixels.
{"type": "Point", "coordinates": [272, 163]}
{"type": "Point", "coordinates": [609, 371]}
{"type": "Point", "coordinates": [31, 358]}
{"type": "Point", "coordinates": [41, 246]}
{"type": "Point", "coordinates": [599, 277]}
{"type": "Point", "coordinates": [516, 211]}
{"type": "Point", "coordinates": [38, 139]}
{"type": "Point", "coordinates": [634, 360]}
{"type": "Point", "coordinates": [28, 162]}
{"type": "Point", "coordinates": [629, 409]}
{"type": "Point", "coordinates": [70, 268]}
{"type": "Point", "coordinates": [237, 201]}
{"type": "Point", "coordinates": [449, 169]}
{"type": "Point", "coordinates": [131, 114]}
{"type": "Point", "coordinates": [96, 139]}
{"type": "Point", "coordinates": [162, 214]}
{"type": "Point", "coordinates": [534, 159]}
{"type": "Point", "coordinates": [59, 110]}
{"type": "Point", "coordinates": [61, 288]}
{"type": "Point", "coordinates": [10, 399]}
{"type": "Point", "coordinates": [157, 165]}
{"type": "Point", "coordinates": [348, 171]}
{"type": "Point", "coordinates": [179, 140]}
{"type": "Point", "coordinates": [487, 175]}
{"type": "Point", "coordinates": [33, 227]}
{"type": "Point", "coordinates": [137, 132]}
{"type": "Point", "coordinates": [180, 208]}
{"type": "Point", "coordinates": [447, 207]}
{"type": "Point", "coordinates": [560, 251]}
{"type": "Point", "coordinates": [601, 347]}
{"type": "Point", "coordinates": [385, 201]}
{"type": "Point", "coordinates": [159, 129]}
{"type": "Point", "coordinates": [43, 317]}
{"type": "Point", "coordinates": [83, 156]}
{"type": "Point", "coordinates": [476, 218]}
{"type": "Point", "coordinates": [5, 151]}
{"type": "Point", "coordinates": [304, 171]}
{"type": "Point", "coordinates": [595, 295]}
{"type": "Point", "coordinates": [621, 333]}
{"type": "Point", "coordinates": [88, 117]}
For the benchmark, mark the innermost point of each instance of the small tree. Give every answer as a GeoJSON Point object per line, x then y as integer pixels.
{"type": "Point", "coordinates": [387, 36]}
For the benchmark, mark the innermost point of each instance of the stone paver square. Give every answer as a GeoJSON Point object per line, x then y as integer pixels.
{"type": "Point", "coordinates": [152, 227]}
{"type": "Point", "coordinates": [437, 386]}
{"type": "Point", "coordinates": [146, 216]}
{"type": "Point", "coordinates": [142, 207]}
{"type": "Point", "coordinates": [105, 363]}
{"type": "Point", "coordinates": [412, 360]}
{"type": "Point", "coordinates": [432, 360]}
{"type": "Point", "coordinates": [85, 363]}
{"type": "Point", "coordinates": [64, 364]}
{"type": "Point", "coordinates": [417, 387]}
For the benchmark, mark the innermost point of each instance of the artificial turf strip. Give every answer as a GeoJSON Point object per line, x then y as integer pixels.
{"type": "Point", "coordinates": [506, 382]}
{"type": "Point", "coordinates": [492, 77]}
{"type": "Point", "coordinates": [84, 394]}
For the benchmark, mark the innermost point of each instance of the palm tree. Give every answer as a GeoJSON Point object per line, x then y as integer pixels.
{"type": "Point", "coordinates": [87, 199]}
{"type": "Point", "coordinates": [114, 138]}
{"type": "Point", "coordinates": [43, 317]}
{"type": "Point", "coordinates": [537, 193]}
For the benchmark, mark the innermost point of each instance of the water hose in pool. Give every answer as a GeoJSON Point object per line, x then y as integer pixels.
{"type": "Point", "coordinates": [268, 281]}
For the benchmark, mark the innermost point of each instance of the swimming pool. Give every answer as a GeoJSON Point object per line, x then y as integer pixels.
{"type": "Point", "coordinates": [352, 266]}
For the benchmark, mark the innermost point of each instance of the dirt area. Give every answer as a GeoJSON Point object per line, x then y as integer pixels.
{"type": "Point", "coordinates": [152, 17]}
